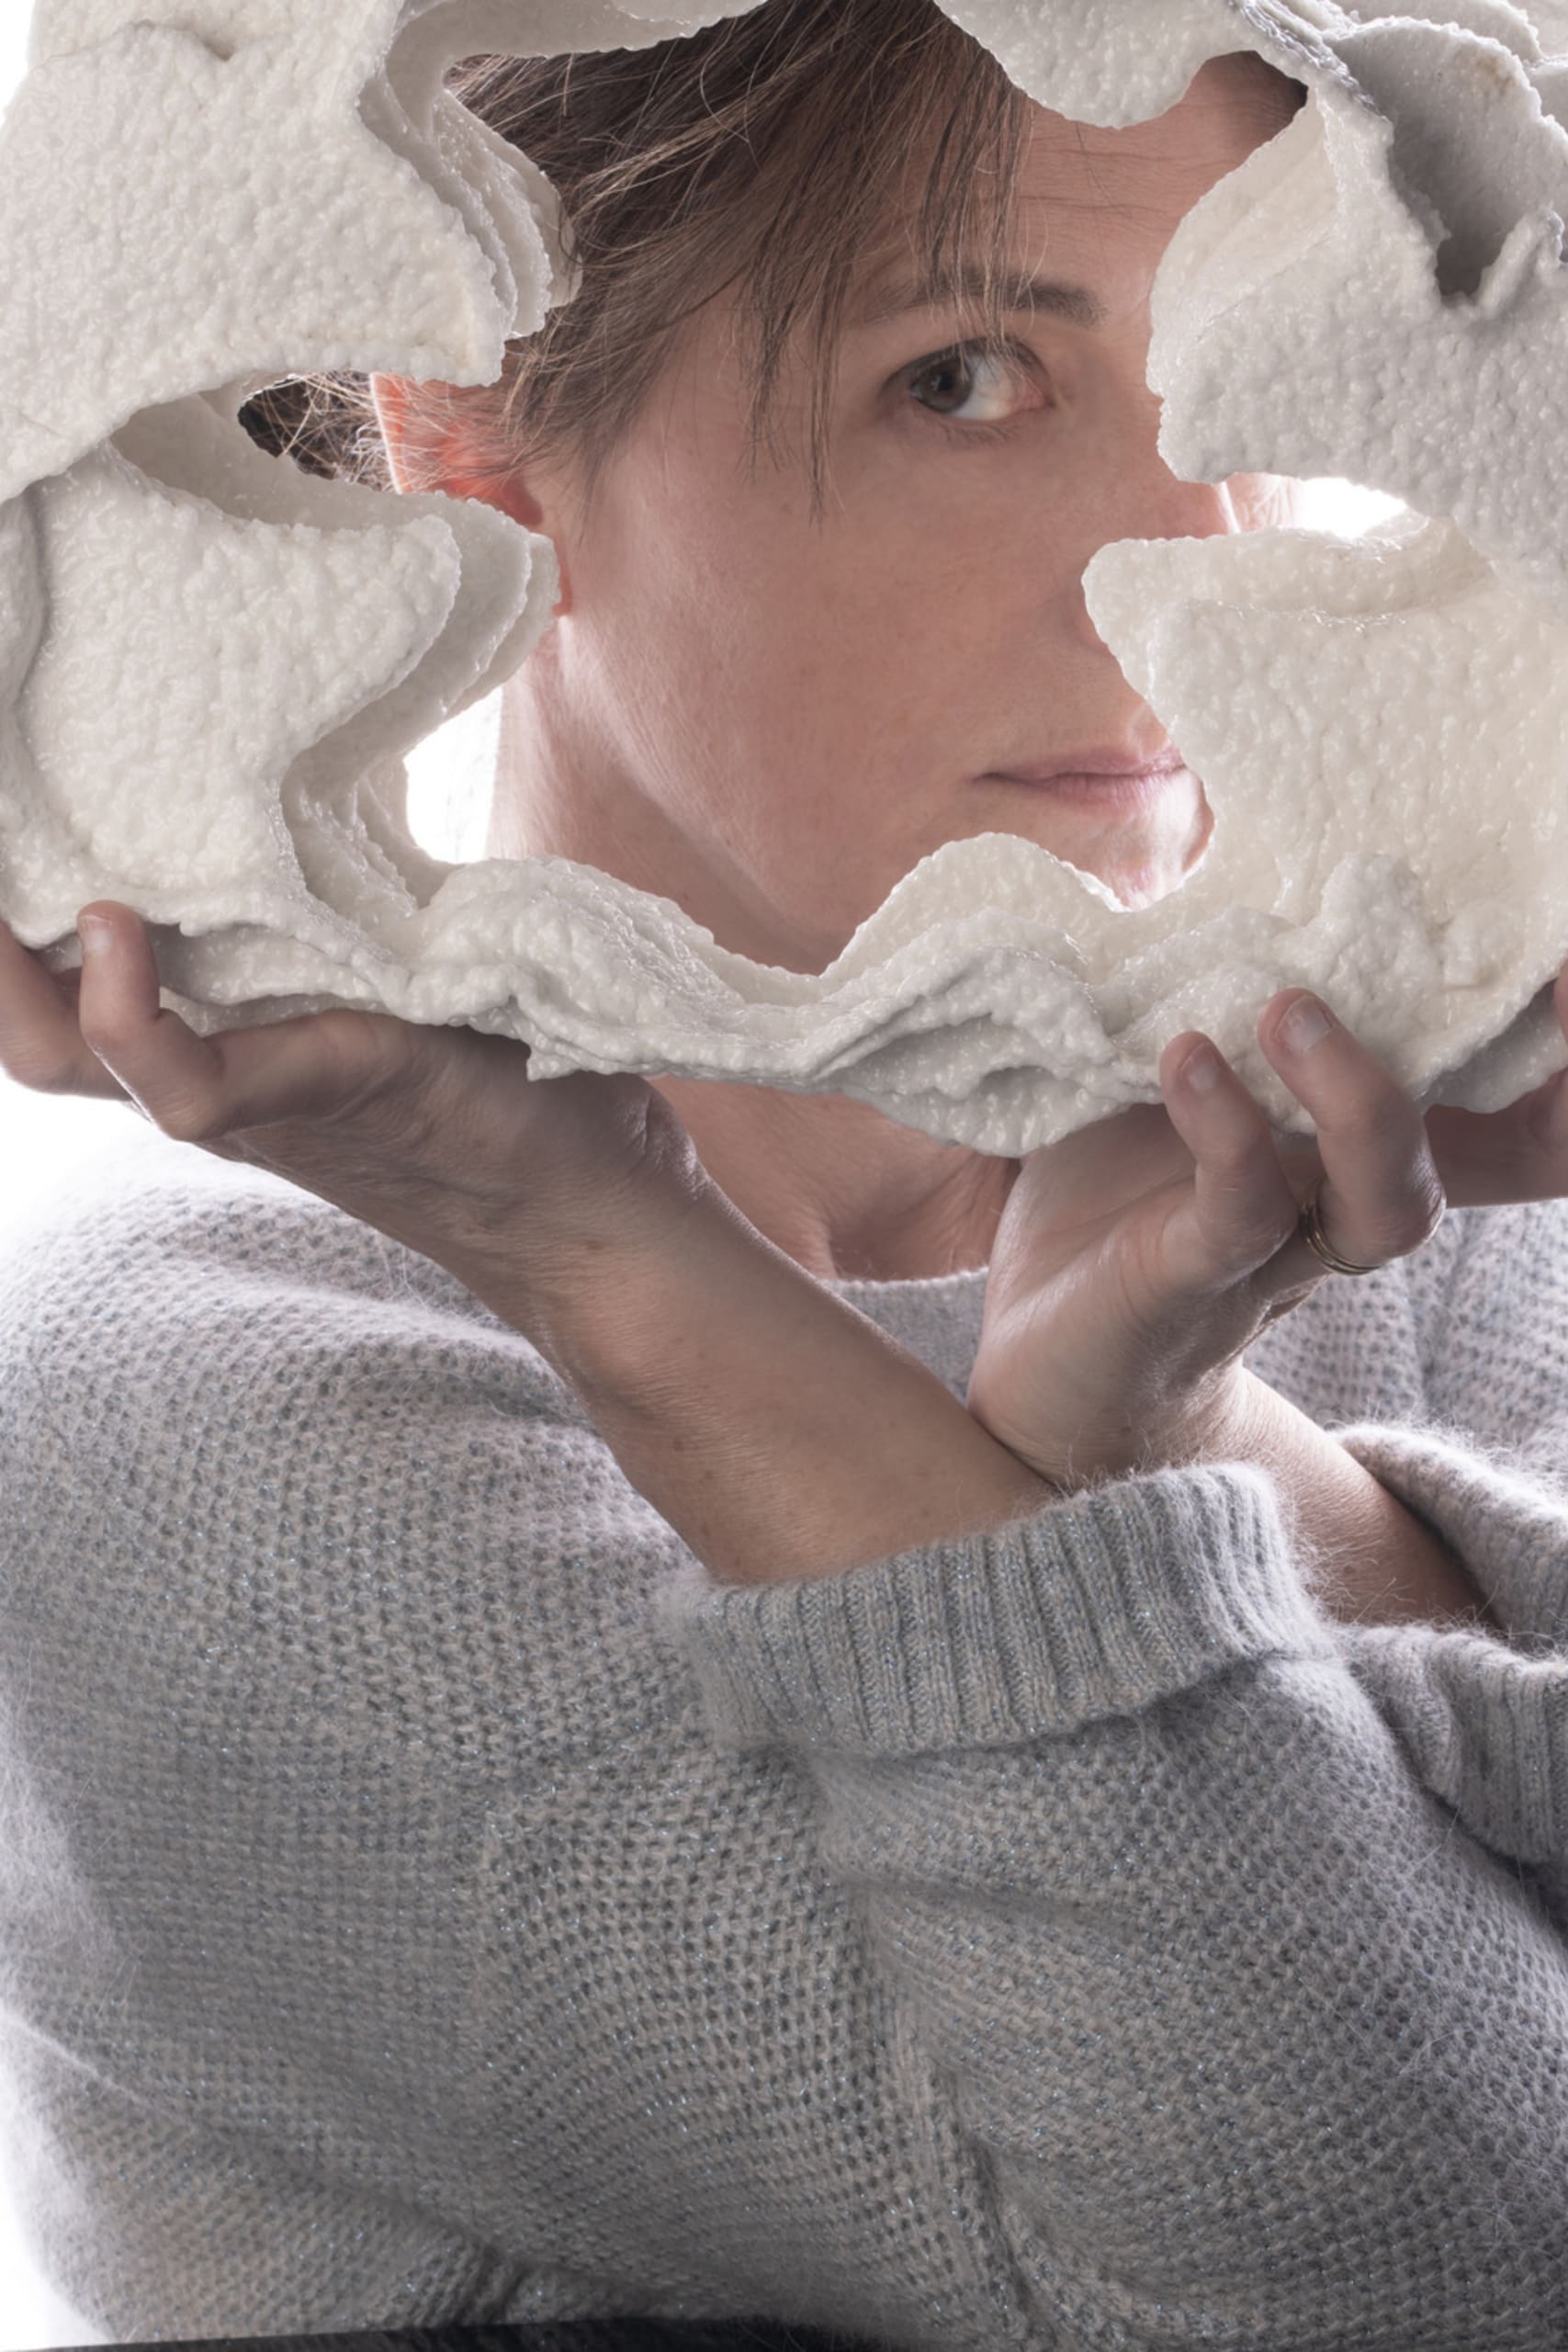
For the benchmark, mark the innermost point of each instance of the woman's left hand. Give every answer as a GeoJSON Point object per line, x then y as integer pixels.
{"type": "Point", "coordinates": [1138, 1260]}
{"type": "Point", "coordinates": [538, 1194]}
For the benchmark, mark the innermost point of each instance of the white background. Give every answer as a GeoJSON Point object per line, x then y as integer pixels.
{"type": "Point", "coordinates": [42, 1138]}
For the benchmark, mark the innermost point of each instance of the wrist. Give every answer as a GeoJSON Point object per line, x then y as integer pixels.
{"type": "Point", "coordinates": [563, 1269]}
{"type": "Point", "coordinates": [1205, 1427]}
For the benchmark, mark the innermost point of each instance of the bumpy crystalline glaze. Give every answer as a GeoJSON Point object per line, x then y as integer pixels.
{"type": "Point", "coordinates": [212, 666]}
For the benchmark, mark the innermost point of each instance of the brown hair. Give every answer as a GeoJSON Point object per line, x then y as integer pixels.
{"type": "Point", "coordinates": [765, 156]}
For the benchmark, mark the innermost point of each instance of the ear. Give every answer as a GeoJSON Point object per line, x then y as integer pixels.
{"type": "Point", "coordinates": [436, 441]}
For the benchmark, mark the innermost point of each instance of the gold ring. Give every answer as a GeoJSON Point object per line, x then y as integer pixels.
{"type": "Point", "coordinates": [1310, 1228]}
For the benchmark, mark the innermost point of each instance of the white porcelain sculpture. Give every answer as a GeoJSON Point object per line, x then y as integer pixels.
{"type": "Point", "coordinates": [212, 666]}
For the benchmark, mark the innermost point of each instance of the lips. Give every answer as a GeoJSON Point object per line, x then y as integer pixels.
{"type": "Point", "coordinates": [1098, 778]}
{"type": "Point", "coordinates": [1099, 762]}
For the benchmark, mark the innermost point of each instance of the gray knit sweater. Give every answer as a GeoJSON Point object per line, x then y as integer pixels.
{"type": "Point", "coordinates": [427, 1896]}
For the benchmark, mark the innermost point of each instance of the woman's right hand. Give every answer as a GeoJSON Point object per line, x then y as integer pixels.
{"type": "Point", "coordinates": [526, 1190]}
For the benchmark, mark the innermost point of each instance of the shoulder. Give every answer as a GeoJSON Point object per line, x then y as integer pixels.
{"type": "Point", "coordinates": [163, 1271]}
{"type": "Point", "coordinates": [1431, 1331]}
{"type": "Point", "coordinates": [1490, 1290]}
{"type": "Point", "coordinates": [1539, 1227]}
{"type": "Point", "coordinates": [1489, 1261]}
{"type": "Point", "coordinates": [248, 1441]}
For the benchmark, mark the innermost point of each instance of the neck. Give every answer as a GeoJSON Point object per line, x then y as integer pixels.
{"type": "Point", "coordinates": [844, 1191]}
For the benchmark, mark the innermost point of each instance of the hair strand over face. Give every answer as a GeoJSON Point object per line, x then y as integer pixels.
{"type": "Point", "coordinates": [767, 160]}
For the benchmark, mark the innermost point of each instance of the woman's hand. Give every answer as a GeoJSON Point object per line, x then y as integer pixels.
{"type": "Point", "coordinates": [1138, 1259]}
{"type": "Point", "coordinates": [434, 1135]}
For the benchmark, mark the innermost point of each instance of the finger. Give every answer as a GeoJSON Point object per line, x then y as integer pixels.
{"type": "Point", "coordinates": [1242, 1208]}
{"type": "Point", "coordinates": [1383, 1197]}
{"type": "Point", "coordinates": [197, 1089]}
{"type": "Point", "coordinates": [41, 1045]}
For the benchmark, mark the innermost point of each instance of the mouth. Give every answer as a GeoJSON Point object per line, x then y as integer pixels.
{"type": "Point", "coordinates": [1104, 780]}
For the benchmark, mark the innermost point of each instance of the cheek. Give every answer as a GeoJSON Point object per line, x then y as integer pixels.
{"type": "Point", "coordinates": [784, 622]}
{"type": "Point", "coordinates": [727, 621]}
{"type": "Point", "coordinates": [886, 663]}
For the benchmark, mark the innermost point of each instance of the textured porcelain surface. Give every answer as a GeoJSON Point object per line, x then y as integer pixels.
{"type": "Point", "coordinates": [212, 666]}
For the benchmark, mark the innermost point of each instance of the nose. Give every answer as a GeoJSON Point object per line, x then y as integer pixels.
{"type": "Point", "coordinates": [1188, 510]}
{"type": "Point", "coordinates": [1155, 505]}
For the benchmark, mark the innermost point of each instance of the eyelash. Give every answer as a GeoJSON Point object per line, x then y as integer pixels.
{"type": "Point", "coordinates": [965, 435]}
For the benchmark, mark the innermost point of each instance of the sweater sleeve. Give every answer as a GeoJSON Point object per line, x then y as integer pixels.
{"type": "Point", "coordinates": [1261, 2046]}
{"type": "Point", "coordinates": [1487, 1464]}
{"type": "Point", "coordinates": [1485, 1722]}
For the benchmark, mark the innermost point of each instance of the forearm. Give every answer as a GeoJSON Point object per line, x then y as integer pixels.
{"type": "Point", "coordinates": [783, 1435]}
{"type": "Point", "coordinates": [780, 1432]}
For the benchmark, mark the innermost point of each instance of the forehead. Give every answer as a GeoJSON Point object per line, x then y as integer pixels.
{"type": "Point", "coordinates": [1091, 202]}
{"type": "Point", "coordinates": [1086, 189]}
{"type": "Point", "coordinates": [1103, 204]}
{"type": "Point", "coordinates": [1230, 108]}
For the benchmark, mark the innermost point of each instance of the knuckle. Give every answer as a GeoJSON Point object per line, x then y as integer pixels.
{"type": "Point", "coordinates": [1258, 1210]}
{"type": "Point", "coordinates": [1428, 1214]}
{"type": "Point", "coordinates": [1389, 1116]}
{"type": "Point", "coordinates": [46, 1073]}
{"type": "Point", "coordinates": [192, 1121]}
{"type": "Point", "coordinates": [1248, 1241]}
{"type": "Point", "coordinates": [378, 1066]}
{"type": "Point", "coordinates": [1418, 1219]}
{"type": "Point", "coordinates": [98, 1033]}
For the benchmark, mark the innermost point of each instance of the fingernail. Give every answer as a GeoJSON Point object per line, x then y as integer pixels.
{"type": "Point", "coordinates": [95, 934]}
{"type": "Point", "coordinates": [1306, 1026]}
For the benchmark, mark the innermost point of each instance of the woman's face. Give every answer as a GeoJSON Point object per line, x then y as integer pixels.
{"type": "Point", "coordinates": [771, 716]}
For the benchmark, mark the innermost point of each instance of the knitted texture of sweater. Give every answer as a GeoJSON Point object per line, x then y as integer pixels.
{"type": "Point", "coordinates": [427, 1896]}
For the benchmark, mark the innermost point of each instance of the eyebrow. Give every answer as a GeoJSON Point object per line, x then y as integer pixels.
{"type": "Point", "coordinates": [894, 296]}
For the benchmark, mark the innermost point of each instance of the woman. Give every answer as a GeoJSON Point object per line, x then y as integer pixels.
{"type": "Point", "coordinates": [765, 1716]}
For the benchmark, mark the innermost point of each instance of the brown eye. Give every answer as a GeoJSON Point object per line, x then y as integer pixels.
{"type": "Point", "coordinates": [968, 386]}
